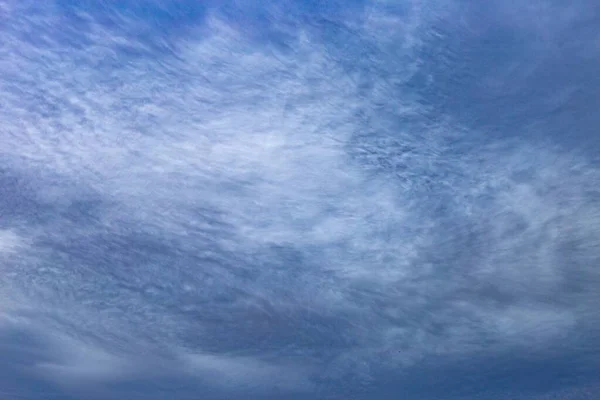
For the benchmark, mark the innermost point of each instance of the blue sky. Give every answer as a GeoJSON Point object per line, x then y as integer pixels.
{"type": "Point", "coordinates": [299, 200]}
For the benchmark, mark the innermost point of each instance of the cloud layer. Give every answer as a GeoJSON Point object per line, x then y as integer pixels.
{"type": "Point", "coordinates": [289, 199]}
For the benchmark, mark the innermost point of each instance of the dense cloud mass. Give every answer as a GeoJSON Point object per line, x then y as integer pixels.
{"type": "Point", "coordinates": [299, 199]}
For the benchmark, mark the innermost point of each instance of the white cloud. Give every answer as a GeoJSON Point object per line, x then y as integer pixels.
{"type": "Point", "coordinates": [80, 366]}
{"type": "Point", "coordinates": [10, 241]}
{"type": "Point", "coordinates": [245, 372]}
{"type": "Point", "coordinates": [423, 250]}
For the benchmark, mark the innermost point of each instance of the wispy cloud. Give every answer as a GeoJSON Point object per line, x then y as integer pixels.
{"type": "Point", "coordinates": [9, 242]}
{"type": "Point", "coordinates": [246, 373]}
{"type": "Point", "coordinates": [222, 195]}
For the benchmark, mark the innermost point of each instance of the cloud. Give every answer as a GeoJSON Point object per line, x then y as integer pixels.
{"type": "Point", "coordinates": [80, 365]}
{"type": "Point", "coordinates": [11, 245]}
{"type": "Point", "coordinates": [281, 202]}
{"type": "Point", "coordinates": [245, 373]}
{"type": "Point", "coordinates": [9, 242]}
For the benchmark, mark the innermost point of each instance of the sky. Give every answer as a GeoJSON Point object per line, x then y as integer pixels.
{"type": "Point", "coordinates": [299, 199]}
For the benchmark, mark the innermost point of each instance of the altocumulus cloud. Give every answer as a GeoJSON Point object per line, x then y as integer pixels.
{"type": "Point", "coordinates": [295, 200]}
